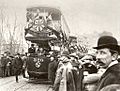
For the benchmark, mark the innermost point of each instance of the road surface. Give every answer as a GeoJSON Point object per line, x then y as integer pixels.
{"type": "Point", "coordinates": [9, 84]}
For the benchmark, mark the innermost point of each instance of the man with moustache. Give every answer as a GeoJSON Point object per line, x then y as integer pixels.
{"type": "Point", "coordinates": [107, 54]}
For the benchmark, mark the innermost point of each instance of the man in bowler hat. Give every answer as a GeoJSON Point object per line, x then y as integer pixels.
{"type": "Point", "coordinates": [107, 54]}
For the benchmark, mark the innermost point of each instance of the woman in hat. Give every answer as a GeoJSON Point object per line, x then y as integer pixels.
{"type": "Point", "coordinates": [107, 53]}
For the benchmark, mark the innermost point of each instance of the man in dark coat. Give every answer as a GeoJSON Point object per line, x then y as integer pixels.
{"type": "Point", "coordinates": [3, 65]}
{"type": "Point", "coordinates": [52, 68]}
{"type": "Point", "coordinates": [18, 63]}
{"type": "Point", "coordinates": [4, 62]}
{"type": "Point", "coordinates": [107, 53]}
{"type": "Point", "coordinates": [8, 65]}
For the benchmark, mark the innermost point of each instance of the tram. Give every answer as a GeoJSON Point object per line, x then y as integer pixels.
{"type": "Point", "coordinates": [46, 28]}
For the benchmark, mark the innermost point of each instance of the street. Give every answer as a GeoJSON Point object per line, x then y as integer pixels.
{"type": "Point", "coordinates": [9, 84]}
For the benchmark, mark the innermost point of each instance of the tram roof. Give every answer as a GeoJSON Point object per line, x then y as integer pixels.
{"type": "Point", "coordinates": [45, 9]}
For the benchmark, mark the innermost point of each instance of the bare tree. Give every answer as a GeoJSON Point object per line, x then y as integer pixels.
{"type": "Point", "coordinates": [2, 19]}
{"type": "Point", "coordinates": [11, 43]}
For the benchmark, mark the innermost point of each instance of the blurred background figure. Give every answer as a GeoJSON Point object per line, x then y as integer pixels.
{"type": "Point", "coordinates": [5, 62]}
{"type": "Point", "coordinates": [40, 51]}
{"type": "Point", "coordinates": [77, 71]}
{"type": "Point", "coordinates": [8, 65]}
{"type": "Point", "coordinates": [52, 66]}
{"type": "Point", "coordinates": [18, 63]}
{"type": "Point", "coordinates": [31, 49]}
{"type": "Point", "coordinates": [90, 72]}
{"type": "Point", "coordinates": [11, 65]}
{"type": "Point", "coordinates": [3, 65]}
{"type": "Point", "coordinates": [89, 63]}
{"type": "Point", "coordinates": [24, 59]}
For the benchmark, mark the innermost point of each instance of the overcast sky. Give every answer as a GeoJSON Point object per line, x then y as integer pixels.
{"type": "Point", "coordinates": [82, 16]}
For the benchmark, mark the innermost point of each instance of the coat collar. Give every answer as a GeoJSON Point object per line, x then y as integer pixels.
{"type": "Point", "coordinates": [114, 68]}
{"type": "Point", "coordinates": [113, 63]}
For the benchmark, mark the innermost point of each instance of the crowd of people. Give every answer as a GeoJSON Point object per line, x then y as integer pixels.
{"type": "Point", "coordinates": [71, 70]}
{"type": "Point", "coordinates": [99, 71]}
{"type": "Point", "coordinates": [12, 65]}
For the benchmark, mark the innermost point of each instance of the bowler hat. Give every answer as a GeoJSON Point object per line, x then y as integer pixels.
{"type": "Point", "coordinates": [108, 42]}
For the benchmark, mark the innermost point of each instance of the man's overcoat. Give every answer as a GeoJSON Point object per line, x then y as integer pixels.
{"type": "Point", "coordinates": [111, 76]}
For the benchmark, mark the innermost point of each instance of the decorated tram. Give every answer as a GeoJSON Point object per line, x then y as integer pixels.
{"type": "Point", "coordinates": [47, 29]}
